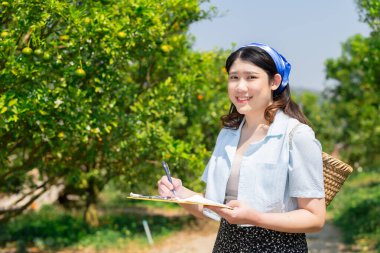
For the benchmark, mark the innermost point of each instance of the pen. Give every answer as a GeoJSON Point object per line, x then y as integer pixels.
{"type": "Point", "coordinates": [167, 171]}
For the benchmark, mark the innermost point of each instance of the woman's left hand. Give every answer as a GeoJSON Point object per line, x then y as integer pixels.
{"type": "Point", "coordinates": [240, 214]}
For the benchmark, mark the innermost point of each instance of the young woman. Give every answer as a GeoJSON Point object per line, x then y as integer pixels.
{"type": "Point", "coordinates": [266, 164]}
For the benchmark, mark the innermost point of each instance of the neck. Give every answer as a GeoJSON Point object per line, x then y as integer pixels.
{"type": "Point", "coordinates": [252, 121]}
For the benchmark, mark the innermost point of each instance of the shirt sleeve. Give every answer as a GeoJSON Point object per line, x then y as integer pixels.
{"type": "Point", "coordinates": [305, 165]}
{"type": "Point", "coordinates": [205, 172]}
{"type": "Point", "coordinates": [212, 160]}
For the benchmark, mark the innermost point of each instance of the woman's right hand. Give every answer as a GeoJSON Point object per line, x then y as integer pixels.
{"type": "Point", "coordinates": [165, 187]}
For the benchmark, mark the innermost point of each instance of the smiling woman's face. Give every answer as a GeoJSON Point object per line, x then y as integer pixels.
{"type": "Point", "coordinates": [249, 87]}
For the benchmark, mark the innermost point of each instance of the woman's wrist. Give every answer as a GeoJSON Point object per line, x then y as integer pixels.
{"type": "Point", "coordinates": [183, 192]}
{"type": "Point", "coordinates": [256, 218]}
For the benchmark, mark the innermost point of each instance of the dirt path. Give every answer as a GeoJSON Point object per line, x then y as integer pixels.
{"type": "Point", "coordinates": [326, 241]}
{"type": "Point", "coordinates": [201, 240]}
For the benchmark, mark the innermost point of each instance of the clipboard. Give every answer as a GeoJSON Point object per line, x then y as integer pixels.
{"type": "Point", "coordinates": [193, 200]}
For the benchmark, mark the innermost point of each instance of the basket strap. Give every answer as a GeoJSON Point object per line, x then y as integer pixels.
{"type": "Point", "coordinates": [291, 133]}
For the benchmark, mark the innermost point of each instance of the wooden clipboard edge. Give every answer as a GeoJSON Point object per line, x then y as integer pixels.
{"type": "Point", "coordinates": [178, 202]}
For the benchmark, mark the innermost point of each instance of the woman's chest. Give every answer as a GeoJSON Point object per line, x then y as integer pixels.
{"type": "Point", "coordinates": [269, 152]}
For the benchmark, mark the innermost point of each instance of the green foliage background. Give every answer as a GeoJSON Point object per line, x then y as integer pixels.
{"type": "Point", "coordinates": [96, 90]}
{"type": "Point", "coordinates": [355, 99]}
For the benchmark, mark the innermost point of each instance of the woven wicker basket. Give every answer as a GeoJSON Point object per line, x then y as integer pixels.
{"type": "Point", "coordinates": [335, 172]}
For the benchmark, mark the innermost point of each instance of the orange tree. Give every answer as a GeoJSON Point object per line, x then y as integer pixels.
{"type": "Point", "coordinates": [96, 90]}
{"type": "Point", "coordinates": [344, 116]}
{"type": "Point", "coordinates": [355, 98]}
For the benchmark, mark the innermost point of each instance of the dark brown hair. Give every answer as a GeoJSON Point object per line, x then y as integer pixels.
{"type": "Point", "coordinates": [281, 101]}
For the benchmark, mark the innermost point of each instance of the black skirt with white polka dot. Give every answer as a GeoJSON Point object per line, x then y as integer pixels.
{"type": "Point", "coordinates": [233, 238]}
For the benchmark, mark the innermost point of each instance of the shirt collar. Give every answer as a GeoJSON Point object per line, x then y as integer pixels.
{"type": "Point", "coordinates": [278, 127]}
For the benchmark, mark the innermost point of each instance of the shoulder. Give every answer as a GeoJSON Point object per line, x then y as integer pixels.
{"type": "Point", "coordinates": [302, 136]}
{"type": "Point", "coordinates": [303, 131]}
{"type": "Point", "coordinates": [225, 135]}
{"type": "Point", "coordinates": [227, 131]}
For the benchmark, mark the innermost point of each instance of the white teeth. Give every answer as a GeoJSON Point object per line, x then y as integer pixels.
{"type": "Point", "coordinates": [243, 98]}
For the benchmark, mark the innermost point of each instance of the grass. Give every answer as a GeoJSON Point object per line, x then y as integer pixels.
{"type": "Point", "coordinates": [356, 211]}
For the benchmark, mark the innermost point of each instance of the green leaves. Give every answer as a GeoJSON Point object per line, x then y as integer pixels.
{"type": "Point", "coordinates": [370, 13]}
{"type": "Point", "coordinates": [356, 95]}
{"type": "Point", "coordinates": [97, 90]}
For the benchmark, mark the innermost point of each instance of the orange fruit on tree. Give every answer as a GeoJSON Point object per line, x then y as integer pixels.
{"type": "Point", "coordinates": [80, 72]}
{"type": "Point", "coordinates": [27, 51]}
{"type": "Point", "coordinates": [64, 37]}
{"type": "Point", "coordinates": [4, 34]}
{"type": "Point", "coordinates": [38, 51]}
{"type": "Point", "coordinates": [121, 35]}
{"type": "Point", "coordinates": [46, 56]}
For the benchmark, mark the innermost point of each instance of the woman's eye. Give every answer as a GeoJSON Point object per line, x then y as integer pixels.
{"type": "Point", "coordinates": [233, 77]}
{"type": "Point", "coordinates": [251, 77]}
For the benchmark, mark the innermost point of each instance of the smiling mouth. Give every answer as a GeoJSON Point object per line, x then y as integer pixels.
{"type": "Point", "coordinates": [243, 99]}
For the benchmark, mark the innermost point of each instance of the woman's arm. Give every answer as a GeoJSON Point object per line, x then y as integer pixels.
{"type": "Point", "coordinates": [165, 189]}
{"type": "Point", "coordinates": [196, 210]}
{"type": "Point", "coordinates": [309, 217]}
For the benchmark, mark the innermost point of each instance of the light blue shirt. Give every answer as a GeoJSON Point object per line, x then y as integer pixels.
{"type": "Point", "coordinates": [272, 177]}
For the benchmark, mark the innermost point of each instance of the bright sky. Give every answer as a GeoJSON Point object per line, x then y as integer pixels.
{"type": "Point", "coordinates": [306, 33]}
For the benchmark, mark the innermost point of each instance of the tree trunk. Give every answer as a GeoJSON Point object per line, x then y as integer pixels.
{"type": "Point", "coordinates": [91, 214]}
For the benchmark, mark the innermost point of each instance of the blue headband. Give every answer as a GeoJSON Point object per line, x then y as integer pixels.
{"type": "Point", "coordinates": [282, 65]}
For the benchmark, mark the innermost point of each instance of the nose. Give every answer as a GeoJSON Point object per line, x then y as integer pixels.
{"type": "Point", "coordinates": [241, 85]}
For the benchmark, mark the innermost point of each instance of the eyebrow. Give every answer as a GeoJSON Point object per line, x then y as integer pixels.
{"type": "Point", "coordinates": [244, 72]}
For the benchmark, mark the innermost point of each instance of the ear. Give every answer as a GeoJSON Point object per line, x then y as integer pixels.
{"type": "Point", "coordinates": [276, 82]}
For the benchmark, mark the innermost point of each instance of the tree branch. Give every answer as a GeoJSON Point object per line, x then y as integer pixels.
{"type": "Point", "coordinates": [34, 190]}
{"type": "Point", "coordinates": [5, 215]}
